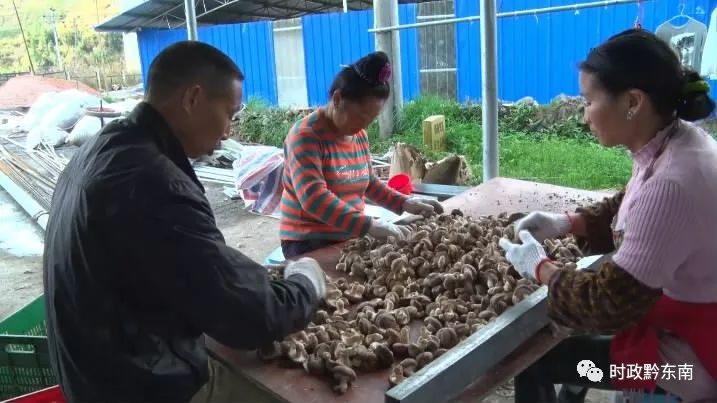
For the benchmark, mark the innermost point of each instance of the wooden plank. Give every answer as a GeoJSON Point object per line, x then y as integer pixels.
{"type": "Point", "coordinates": [490, 198]}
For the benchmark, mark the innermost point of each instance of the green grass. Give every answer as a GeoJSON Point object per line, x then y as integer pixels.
{"type": "Point", "coordinates": [259, 123]}
{"type": "Point", "coordinates": [578, 162]}
{"type": "Point", "coordinates": [568, 162]}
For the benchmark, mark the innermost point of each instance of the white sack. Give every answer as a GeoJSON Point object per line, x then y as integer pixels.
{"type": "Point", "coordinates": [39, 108]}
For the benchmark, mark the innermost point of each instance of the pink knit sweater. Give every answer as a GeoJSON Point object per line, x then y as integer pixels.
{"type": "Point", "coordinates": [670, 234]}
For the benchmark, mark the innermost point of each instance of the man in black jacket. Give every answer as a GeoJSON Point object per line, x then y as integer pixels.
{"type": "Point", "coordinates": [136, 271]}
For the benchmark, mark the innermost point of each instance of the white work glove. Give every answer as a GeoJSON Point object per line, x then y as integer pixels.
{"type": "Point", "coordinates": [525, 257]}
{"type": "Point", "coordinates": [310, 269]}
{"type": "Point", "coordinates": [424, 207]}
{"type": "Point", "coordinates": [544, 225]}
{"type": "Point", "coordinates": [382, 230]}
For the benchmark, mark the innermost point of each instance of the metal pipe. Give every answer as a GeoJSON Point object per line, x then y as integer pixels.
{"type": "Point", "coordinates": [27, 202]}
{"type": "Point", "coordinates": [163, 15]}
{"type": "Point", "coordinates": [396, 78]}
{"type": "Point", "coordinates": [535, 11]}
{"type": "Point", "coordinates": [435, 16]}
{"type": "Point", "coordinates": [58, 55]}
{"type": "Point", "coordinates": [489, 87]}
{"type": "Point", "coordinates": [219, 7]}
{"type": "Point", "coordinates": [22, 32]}
{"type": "Point", "coordinates": [191, 19]}
{"type": "Point", "coordinates": [446, 70]}
{"type": "Point", "coordinates": [168, 13]}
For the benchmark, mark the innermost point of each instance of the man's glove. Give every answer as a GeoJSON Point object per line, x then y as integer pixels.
{"type": "Point", "coordinates": [310, 269]}
{"type": "Point", "coordinates": [424, 207]}
{"type": "Point", "coordinates": [381, 230]}
{"type": "Point", "coordinates": [544, 225]}
{"type": "Point", "coordinates": [525, 257]}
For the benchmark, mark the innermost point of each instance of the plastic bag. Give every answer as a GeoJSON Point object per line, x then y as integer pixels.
{"type": "Point", "coordinates": [63, 115]}
{"type": "Point", "coordinates": [85, 128]}
{"type": "Point", "coordinates": [82, 98]}
{"type": "Point", "coordinates": [68, 108]}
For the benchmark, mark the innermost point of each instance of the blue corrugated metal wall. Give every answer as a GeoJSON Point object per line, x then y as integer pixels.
{"type": "Point", "coordinates": [250, 45]}
{"type": "Point", "coordinates": [538, 55]}
{"type": "Point", "coordinates": [331, 40]}
{"type": "Point", "coordinates": [152, 41]}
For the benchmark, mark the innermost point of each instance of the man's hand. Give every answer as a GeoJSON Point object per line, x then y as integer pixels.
{"type": "Point", "coordinates": [525, 257]}
{"type": "Point", "coordinates": [310, 269]}
{"type": "Point", "coordinates": [424, 207]}
{"type": "Point", "coordinates": [543, 225]}
{"type": "Point", "coordinates": [380, 230]}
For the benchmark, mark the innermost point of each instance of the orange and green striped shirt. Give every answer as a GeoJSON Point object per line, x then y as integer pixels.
{"type": "Point", "coordinates": [325, 182]}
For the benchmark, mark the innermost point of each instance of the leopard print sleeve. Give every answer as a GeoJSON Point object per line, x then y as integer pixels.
{"type": "Point", "coordinates": [598, 219]}
{"type": "Point", "coordinates": [606, 300]}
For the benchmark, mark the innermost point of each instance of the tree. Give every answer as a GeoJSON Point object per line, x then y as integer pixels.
{"type": "Point", "coordinates": [82, 49]}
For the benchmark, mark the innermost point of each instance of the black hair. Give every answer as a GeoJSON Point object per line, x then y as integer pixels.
{"type": "Point", "coordinates": [366, 77]}
{"type": "Point", "coordinates": [637, 59]}
{"type": "Point", "coordinates": [190, 62]}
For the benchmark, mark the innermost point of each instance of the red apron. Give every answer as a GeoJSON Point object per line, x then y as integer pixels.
{"type": "Point", "coordinates": [694, 323]}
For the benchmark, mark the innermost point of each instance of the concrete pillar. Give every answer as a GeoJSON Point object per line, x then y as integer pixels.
{"type": "Point", "coordinates": [385, 14]}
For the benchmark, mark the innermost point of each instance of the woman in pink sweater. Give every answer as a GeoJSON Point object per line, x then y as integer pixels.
{"type": "Point", "coordinates": [647, 314]}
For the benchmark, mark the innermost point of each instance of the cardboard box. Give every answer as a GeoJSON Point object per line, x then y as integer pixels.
{"type": "Point", "coordinates": [434, 132]}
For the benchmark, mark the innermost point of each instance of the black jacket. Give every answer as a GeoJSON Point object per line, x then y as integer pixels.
{"type": "Point", "coordinates": [136, 272]}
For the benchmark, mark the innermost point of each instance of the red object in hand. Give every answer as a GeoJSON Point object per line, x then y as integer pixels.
{"type": "Point", "coordinates": [49, 395]}
{"type": "Point", "coordinates": [402, 183]}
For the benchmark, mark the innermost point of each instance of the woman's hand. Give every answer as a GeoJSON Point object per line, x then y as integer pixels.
{"type": "Point", "coordinates": [380, 230]}
{"type": "Point", "coordinates": [526, 258]}
{"type": "Point", "coordinates": [424, 207]}
{"type": "Point", "coordinates": [543, 225]}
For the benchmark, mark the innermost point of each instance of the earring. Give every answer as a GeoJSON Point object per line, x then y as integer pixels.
{"type": "Point", "coordinates": [630, 115]}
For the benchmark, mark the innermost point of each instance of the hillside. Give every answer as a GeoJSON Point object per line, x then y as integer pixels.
{"type": "Point", "coordinates": [82, 49]}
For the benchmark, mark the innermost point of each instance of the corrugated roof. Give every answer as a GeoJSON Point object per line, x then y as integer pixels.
{"type": "Point", "coordinates": [170, 13]}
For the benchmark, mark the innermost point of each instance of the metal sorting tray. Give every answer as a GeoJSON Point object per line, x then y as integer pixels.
{"type": "Point", "coordinates": [455, 370]}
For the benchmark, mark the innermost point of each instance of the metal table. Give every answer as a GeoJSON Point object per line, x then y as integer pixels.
{"type": "Point", "coordinates": [451, 377]}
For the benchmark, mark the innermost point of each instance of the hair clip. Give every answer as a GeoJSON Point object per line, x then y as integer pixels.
{"type": "Point", "coordinates": [383, 76]}
{"type": "Point", "coordinates": [356, 70]}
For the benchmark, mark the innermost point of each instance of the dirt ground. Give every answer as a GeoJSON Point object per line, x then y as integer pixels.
{"type": "Point", "coordinates": [255, 236]}
{"type": "Point", "coordinates": [20, 257]}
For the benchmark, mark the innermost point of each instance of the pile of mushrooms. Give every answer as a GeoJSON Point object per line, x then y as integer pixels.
{"type": "Point", "coordinates": [405, 303]}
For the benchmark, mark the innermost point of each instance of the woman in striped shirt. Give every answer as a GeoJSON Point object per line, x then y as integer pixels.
{"type": "Point", "coordinates": [655, 297]}
{"type": "Point", "coordinates": [327, 168]}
